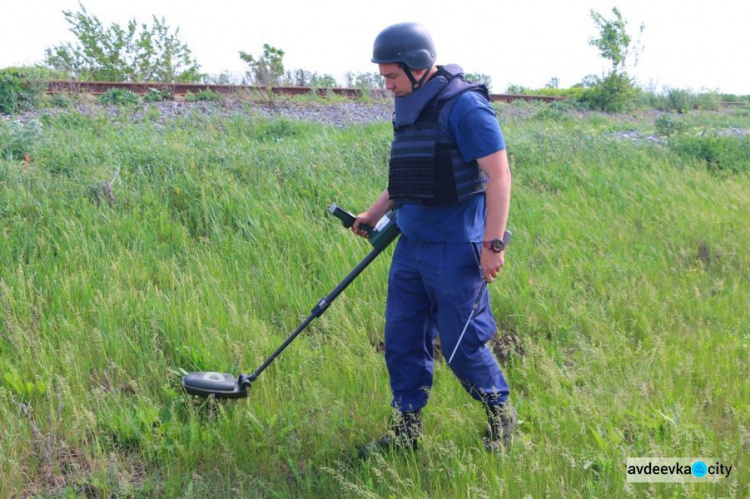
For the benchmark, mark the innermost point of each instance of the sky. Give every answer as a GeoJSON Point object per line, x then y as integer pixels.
{"type": "Point", "coordinates": [690, 45]}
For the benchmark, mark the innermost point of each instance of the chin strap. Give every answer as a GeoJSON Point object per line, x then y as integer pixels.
{"type": "Point", "coordinates": [415, 85]}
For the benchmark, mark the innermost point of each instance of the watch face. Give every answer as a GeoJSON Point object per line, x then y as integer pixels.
{"type": "Point", "coordinates": [497, 245]}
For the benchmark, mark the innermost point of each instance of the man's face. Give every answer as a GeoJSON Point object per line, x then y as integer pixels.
{"type": "Point", "coordinates": [396, 80]}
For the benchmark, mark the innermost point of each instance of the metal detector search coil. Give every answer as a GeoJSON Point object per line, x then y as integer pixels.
{"type": "Point", "coordinates": [220, 385]}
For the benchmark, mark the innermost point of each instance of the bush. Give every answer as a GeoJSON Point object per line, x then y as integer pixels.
{"type": "Point", "coordinates": [556, 111]}
{"type": "Point", "coordinates": [135, 52]}
{"type": "Point", "coordinates": [568, 93]}
{"type": "Point", "coordinates": [721, 153]}
{"type": "Point", "coordinates": [304, 78]}
{"type": "Point", "coordinates": [60, 100]}
{"type": "Point", "coordinates": [364, 81]}
{"type": "Point", "coordinates": [666, 126]}
{"type": "Point", "coordinates": [479, 78]}
{"type": "Point", "coordinates": [734, 98]}
{"type": "Point", "coordinates": [21, 88]}
{"type": "Point", "coordinates": [267, 69]}
{"type": "Point", "coordinates": [614, 93]}
{"type": "Point", "coordinates": [204, 95]}
{"type": "Point", "coordinates": [679, 100]}
{"type": "Point", "coordinates": [683, 101]}
{"type": "Point", "coordinates": [708, 101]}
{"type": "Point", "coordinates": [157, 95]}
{"type": "Point", "coordinates": [11, 92]}
{"type": "Point", "coordinates": [20, 138]}
{"type": "Point", "coordinates": [117, 97]}
{"type": "Point", "coordinates": [514, 89]}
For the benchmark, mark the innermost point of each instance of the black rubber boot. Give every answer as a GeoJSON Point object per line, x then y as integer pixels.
{"type": "Point", "coordinates": [501, 424]}
{"type": "Point", "coordinates": [404, 434]}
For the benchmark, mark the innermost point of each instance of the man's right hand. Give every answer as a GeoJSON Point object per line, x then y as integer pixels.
{"type": "Point", "coordinates": [373, 215]}
{"type": "Point", "coordinates": [364, 218]}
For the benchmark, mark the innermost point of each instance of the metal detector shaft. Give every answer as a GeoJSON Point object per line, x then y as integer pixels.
{"type": "Point", "coordinates": [320, 308]}
{"type": "Point", "coordinates": [222, 385]}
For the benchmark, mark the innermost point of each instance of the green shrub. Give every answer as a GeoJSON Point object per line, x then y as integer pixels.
{"type": "Point", "coordinates": [157, 95]}
{"type": "Point", "coordinates": [721, 153]}
{"type": "Point", "coordinates": [514, 89]}
{"type": "Point", "coordinates": [679, 100]}
{"type": "Point", "coordinates": [118, 96]}
{"type": "Point", "coordinates": [207, 95]}
{"type": "Point", "coordinates": [479, 78]}
{"type": "Point", "coordinates": [364, 81]}
{"type": "Point", "coordinates": [60, 100]}
{"type": "Point", "coordinates": [556, 111]}
{"type": "Point", "coordinates": [667, 126]}
{"type": "Point", "coordinates": [685, 100]}
{"type": "Point", "coordinates": [267, 69]}
{"type": "Point", "coordinates": [21, 88]}
{"type": "Point", "coordinates": [19, 138]}
{"type": "Point", "coordinates": [613, 93]}
{"type": "Point", "coordinates": [136, 52]}
{"type": "Point", "coordinates": [650, 99]}
{"type": "Point", "coordinates": [734, 98]}
{"type": "Point", "coordinates": [708, 101]}
{"type": "Point", "coordinates": [568, 93]}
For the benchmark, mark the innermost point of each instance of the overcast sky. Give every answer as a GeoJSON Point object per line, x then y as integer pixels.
{"type": "Point", "coordinates": [686, 44]}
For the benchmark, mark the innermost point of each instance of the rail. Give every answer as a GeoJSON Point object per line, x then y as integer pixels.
{"type": "Point", "coordinates": [262, 92]}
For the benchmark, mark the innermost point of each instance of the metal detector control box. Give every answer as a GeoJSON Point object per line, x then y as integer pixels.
{"type": "Point", "coordinates": [381, 235]}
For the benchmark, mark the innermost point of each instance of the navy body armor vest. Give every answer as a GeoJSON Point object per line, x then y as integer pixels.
{"type": "Point", "coordinates": [426, 165]}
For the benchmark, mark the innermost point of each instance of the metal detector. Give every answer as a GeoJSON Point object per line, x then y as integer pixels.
{"type": "Point", "coordinates": [221, 385]}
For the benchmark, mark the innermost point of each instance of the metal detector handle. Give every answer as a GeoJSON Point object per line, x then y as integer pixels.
{"type": "Point", "coordinates": [347, 219]}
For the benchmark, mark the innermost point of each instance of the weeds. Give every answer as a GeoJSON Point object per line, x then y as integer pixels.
{"type": "Point", "coordinates": [157, 95]}
{"type": "Point", "coordinates": [20, 139]}
{"type": "Point", "coordinates": [118, 97]}
{"type": "Point", "coordinates": [621, 310]}
{"type": "Point", "coordinates": [667, 126]}
{"type": "Point", "coordinates": [729, 154]}
{"type": "Point", "coordinates": [21, 89]}
{"type": "Point", "coordinates": [204, 95]}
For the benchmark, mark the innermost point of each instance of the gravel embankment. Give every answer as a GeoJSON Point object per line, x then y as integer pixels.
{"type": "Point", "coordinates": [336, 114]}
{"type": "Point", "coordinates": [339, 114]}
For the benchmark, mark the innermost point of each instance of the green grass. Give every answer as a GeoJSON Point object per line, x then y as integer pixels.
{"type": "Point", "coordinates": [626, 284]}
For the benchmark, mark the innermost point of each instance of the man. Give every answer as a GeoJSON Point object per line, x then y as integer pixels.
{"type": "Point", "coordinates": [449, 177]}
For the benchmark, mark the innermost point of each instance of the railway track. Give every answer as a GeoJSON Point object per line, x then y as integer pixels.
{"type": "Point", "coordinates": [262, 92]}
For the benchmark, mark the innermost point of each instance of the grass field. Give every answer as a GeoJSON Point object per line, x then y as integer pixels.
{"type": "Point", "coordinates": [133, 250]}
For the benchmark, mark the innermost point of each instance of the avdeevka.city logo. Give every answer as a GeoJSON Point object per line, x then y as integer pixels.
{"type": "Point", "coordinates": [676, 469]}
{"type": "Point", "coordinates": [699, 469]}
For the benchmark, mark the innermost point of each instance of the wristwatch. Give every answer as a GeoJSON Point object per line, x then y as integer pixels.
{"type": "Point", "coordinates": [496, 245]}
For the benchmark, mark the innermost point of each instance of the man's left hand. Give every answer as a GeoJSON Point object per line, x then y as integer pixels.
{"type": "Point", "coordinates": [491, 263]}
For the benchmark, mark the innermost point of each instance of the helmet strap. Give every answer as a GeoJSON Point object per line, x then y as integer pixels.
{"type": "Point", "coordinates": [415, 85]}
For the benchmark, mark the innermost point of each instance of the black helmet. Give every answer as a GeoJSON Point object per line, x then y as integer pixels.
{"type": "Point", "coordinates": [409, 44]}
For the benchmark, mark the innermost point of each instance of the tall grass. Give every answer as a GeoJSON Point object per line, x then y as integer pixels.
{"type": "Point", "coordinates": [626, 285]}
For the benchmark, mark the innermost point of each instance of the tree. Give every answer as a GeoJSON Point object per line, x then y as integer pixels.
{"type": "Point", "coordinates": [479, 78]}
{"type": "Point", "coordinates": [304, 78]}
{"type": "Point", "coordinates": [267, 69]}
{"type": "Point", "coordinates": [614, 42]}
{"type": "Point", "coordinates": [614, 91]}
{"type": "Point", "coordinates": [514, 89]}
{"type": "Point", "coordinates": [554, 82]}
{"type": "Point", "coordinates": [134, 53]}
{"type": "Point", "coordinates": [364, 81]}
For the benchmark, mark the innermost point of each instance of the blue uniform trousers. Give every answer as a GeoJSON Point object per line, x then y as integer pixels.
{"type": "Point", "coordinates": [431, 290]}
